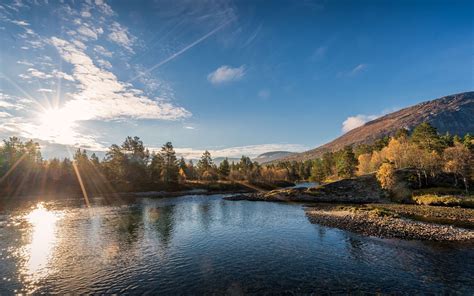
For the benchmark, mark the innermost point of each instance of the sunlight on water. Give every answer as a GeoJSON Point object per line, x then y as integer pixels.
{"type": "Point", "coordinates": [38, 251]}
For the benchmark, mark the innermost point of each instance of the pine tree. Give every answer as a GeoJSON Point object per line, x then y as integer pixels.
{"type": "Point", "coordinates": [170, 169]}
{"type": "Point", "coordinates": [426, 137]}
{"type": "Point", "coordinates": [205, 163]}
{"type": "Point", "coordinates": [346, 163]}
{"type": "Point", "coordinates": [318, 171]}
{"type": "Point", "coordinates": [224, 168]}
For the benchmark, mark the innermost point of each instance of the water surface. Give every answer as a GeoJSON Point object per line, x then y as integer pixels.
{"type": "Point", "coordinates": [204, 244]}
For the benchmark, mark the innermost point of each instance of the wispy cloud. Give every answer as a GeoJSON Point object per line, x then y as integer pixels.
{"type": "Point", "coordinates": [319, 53]}
{"type": "Point", "coordinates": [226, 74]}
{"type": "Point", "coordinates": [121, 36]}
{"type": "Point", "coordinates": [360, 68]}
{"type": "Point", "coordinates": [264, 93]}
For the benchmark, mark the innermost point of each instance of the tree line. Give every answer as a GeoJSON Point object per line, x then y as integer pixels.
{"type": "Point", "coordinates": [126, 167]}
{"type": "Point", "coordinates": [132, 167]}
{"type": "Point", "coordinates": [424, 150]}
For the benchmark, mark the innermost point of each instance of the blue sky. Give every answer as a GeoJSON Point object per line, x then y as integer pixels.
{"type": "Point", "coordinates": [234, 77]}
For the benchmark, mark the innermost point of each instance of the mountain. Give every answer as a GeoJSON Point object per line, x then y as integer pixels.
{"type": "Point", "coordinates": [271, 156]}
{"type": "Point", "coordinates": [218, 160]}
{"type": "Point", "coordinates": [453, 114]}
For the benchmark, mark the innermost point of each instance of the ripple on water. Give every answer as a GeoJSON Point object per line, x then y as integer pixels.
{"type": "Point", "coordinates": [203, 244]}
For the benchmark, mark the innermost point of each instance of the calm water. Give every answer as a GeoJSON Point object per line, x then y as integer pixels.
{"type": "Point", "coordinates": [204, 244]}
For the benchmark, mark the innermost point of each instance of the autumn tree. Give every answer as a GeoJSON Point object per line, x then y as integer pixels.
{"type": "Point", "coordinates": [386, 176]}
{"type": "Point", "coordinates": [364, 166]}
{"type": "Point", "coordinates": [458, 160]}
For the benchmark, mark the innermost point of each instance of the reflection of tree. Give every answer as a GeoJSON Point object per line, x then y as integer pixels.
{"type": "Point", "coordinates": [204, 212]}
{"type": "Point", "coordinates": [163, 218]}
{"type": "Point", "coordinates": [356, 248]}
{"type": "Point", "coordinates": [129, 225]}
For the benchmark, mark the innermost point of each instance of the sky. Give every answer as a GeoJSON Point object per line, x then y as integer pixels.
{"type": "Point", "coordinates": [232, 77]}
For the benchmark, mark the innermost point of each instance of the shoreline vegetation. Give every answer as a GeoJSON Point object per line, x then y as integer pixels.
{"type": "Point", "coordinates": [411, 185]}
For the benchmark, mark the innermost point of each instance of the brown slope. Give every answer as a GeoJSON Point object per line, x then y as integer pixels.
{"type": "Point", "coordinates": [453, 114]}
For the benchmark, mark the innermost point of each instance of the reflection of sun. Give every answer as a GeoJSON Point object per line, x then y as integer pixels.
{"type": "Point", "coordinates": [38, 252]}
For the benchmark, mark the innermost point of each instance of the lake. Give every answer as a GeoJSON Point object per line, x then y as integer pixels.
{"type": "Point", "coordinates": [205, 245]}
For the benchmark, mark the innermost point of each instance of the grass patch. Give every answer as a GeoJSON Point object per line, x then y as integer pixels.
{"type": "Point", "coordinates": [445, 200]}
{"type": "Point", "coordinates": [370, 210]}
{"type": "Point", "coordinates": [439, 191]}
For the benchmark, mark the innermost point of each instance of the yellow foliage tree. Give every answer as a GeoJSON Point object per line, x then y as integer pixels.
{"type": "Point", "coordinates": [386, 176]}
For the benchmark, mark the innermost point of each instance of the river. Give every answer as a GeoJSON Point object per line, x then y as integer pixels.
{"type": "Point", "coordinates": [205, 245]}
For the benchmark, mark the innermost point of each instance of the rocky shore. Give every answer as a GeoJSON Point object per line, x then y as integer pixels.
{"type": "Point", "coordinates": [363, 189]}
{"type": "Point", "coordinates": [390, 221]}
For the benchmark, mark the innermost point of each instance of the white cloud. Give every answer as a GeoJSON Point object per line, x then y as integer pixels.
{"type": "Point", "coordinates": [20, 23]}
{"type": "Point", "coordinates": [88, 32]}
{"type": "Point", "coordinates": [120, 35]}
{"type": "Point", "coordinates": [353, 122]}
{"type": "Point", "coordinates": [62, 75]}
{"type": "Point", "coordinates": [79, 44]}
{"type": "Point", "coordinates": [4, 114]}
{"type": "Point", "coordinates": [44, 90]}
{"type": "Point", "coordinates": [236, 152]}
{"type": "Point", "coordinates": [32, 72]}
{"type": "Point", "coordinates": [189, 127]}
{"type": "Point", "coordinates": [226, 74]}
{"type": "Point", "coordinates": [23, 62]}
{"type": "Point", "coordinates": [102, 96]}
{"type": "Point", "coordinates": [101, 50]}
{"type": "Point", "coordinates": [104, 63]}
{"type": "Point", "coordinates": [104, 7]}
{"type": "Point", "coordinates": [35, 73]}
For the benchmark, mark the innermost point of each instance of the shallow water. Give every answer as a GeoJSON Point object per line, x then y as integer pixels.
{"type": "Point", "coordinates": [204, 244]}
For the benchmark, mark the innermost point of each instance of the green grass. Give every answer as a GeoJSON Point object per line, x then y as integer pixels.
{"type": "Point", "coordinates": [445, 200]}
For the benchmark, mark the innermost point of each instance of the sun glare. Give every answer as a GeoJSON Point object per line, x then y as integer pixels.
{"type": "Point", "coordinates": [42, 239]}
{"type": "Point", "coordinates": [56, 124]}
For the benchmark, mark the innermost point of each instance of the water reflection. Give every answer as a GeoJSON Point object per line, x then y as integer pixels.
{"type": "Point", "coordinates": [40, 242]}
{"type": "Point", "coordinates": [206, 245]}
{"type": "Point", "coordinates": [162, 220]}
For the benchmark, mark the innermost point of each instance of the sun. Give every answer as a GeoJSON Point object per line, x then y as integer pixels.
{"type": "Point", "coordinates": [55, 118]}
{"type": "Point", "coordinates": [56, 124]}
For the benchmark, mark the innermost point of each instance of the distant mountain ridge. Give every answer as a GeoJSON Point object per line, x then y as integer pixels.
{"type": "Point", "coordinates": [453, 114]}
{"type": "Point", "coordinates": [271, 156]}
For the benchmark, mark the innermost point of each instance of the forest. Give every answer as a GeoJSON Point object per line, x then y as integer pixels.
{"type": "Point", "coordinates": [132, 167]}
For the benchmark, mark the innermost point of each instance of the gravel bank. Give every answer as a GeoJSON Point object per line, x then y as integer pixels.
{"type": "Point", "coordinates": [386, 224]}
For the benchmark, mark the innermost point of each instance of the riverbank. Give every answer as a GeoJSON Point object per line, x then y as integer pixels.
{"type": "Point", "coordinates": [397, 221]}
{"type": "Point", "coordinates": [158, 191]}
{"type": "Point", "coordinates": [363, 189]}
